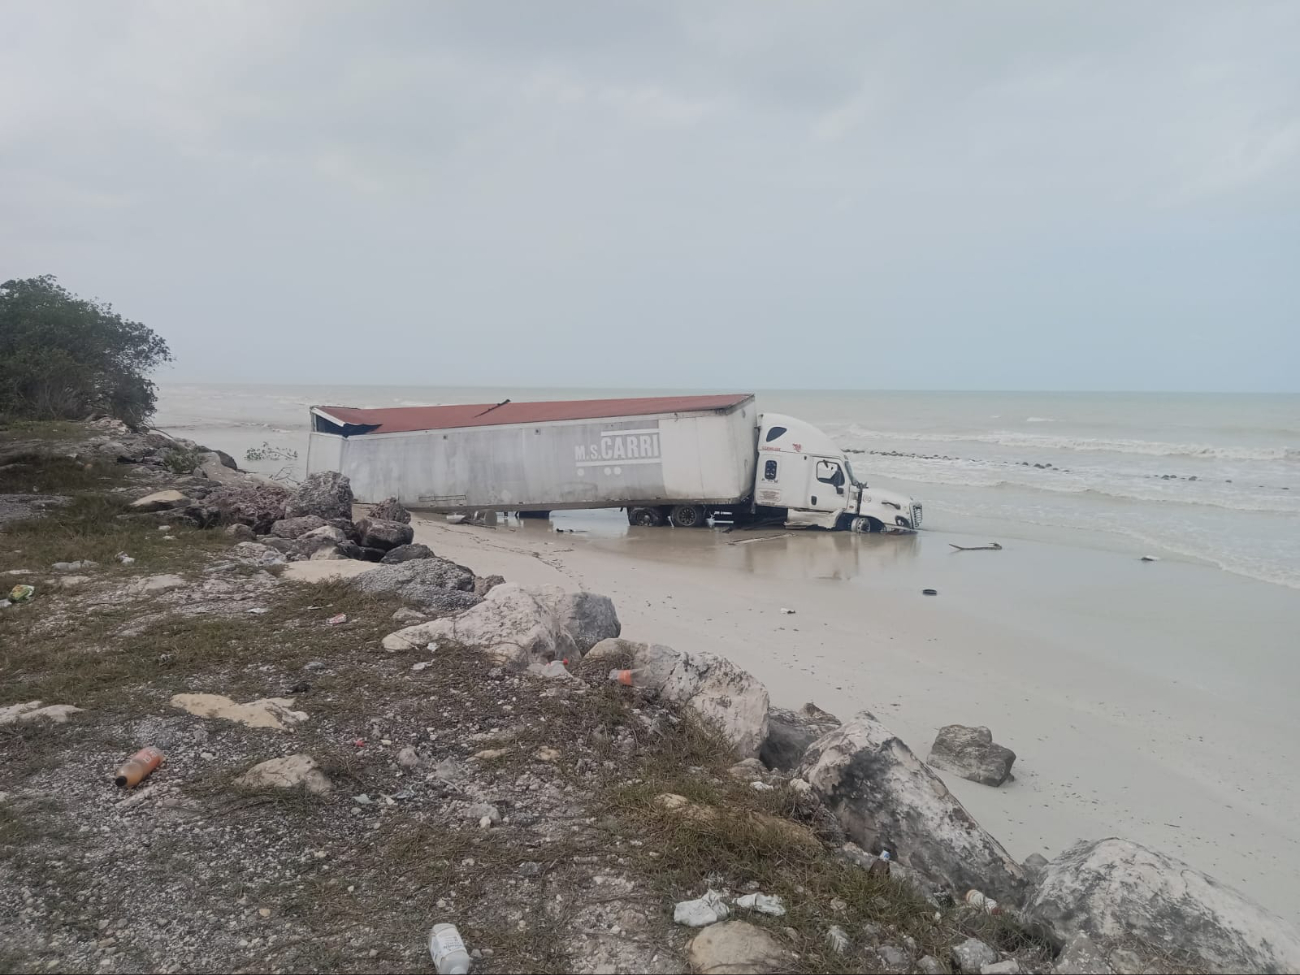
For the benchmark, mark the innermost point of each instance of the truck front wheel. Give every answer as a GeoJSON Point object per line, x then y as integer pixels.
{"type": "Point", "coordinates": [645, 517]}
{"type": "Point", "coordinates": [690, 516]}
{"type": "Point", "coordinates": [865, 523]}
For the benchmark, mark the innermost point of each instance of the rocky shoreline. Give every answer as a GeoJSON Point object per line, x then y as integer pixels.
{"type": "Point", "coordinates": [529, 747]}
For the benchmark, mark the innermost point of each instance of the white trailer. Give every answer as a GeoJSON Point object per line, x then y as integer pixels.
{"type": "Point", "coordinates": [678, 459]}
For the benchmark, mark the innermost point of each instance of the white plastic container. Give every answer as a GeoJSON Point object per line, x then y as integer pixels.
{"type": "Point", "coordinates": [448, 950]}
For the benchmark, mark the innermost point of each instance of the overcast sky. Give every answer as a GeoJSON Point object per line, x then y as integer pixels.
{"type": "Point", "coordinates": [859, 195]}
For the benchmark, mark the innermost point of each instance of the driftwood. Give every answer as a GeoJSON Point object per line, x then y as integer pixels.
{"type": "Point", "coordinates": [991, 547]}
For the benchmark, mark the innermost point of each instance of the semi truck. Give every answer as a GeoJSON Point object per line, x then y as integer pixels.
{"type": "Point", "coordinates": [666, 460]}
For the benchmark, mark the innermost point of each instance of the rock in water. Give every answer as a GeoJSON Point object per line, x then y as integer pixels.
{"type": "Point", "coordinates": [384, 534]}
{"type": "Point", "coordinates": [1111, 889]}
{"type": "Point", "coordinates": [736, 947]}
{"type": "Point", "coordinates": [408, 553]}
{"type": "Point", "coordinates": [789, 733]}
{"type": "Point", "coordinates": [886, 798]}
{"type": "Point", "coordinates": [970, 753]}
{"type": "Point", "coordinates": [327, 495]}
{"type": "Point", "coordinates": [297, 527]}
{"type": "Point", "coordinates": [728, 698]}
{"type": "Point", "coordinates": [390, 509]}
{"type": "Point", "coordinates": [292, 772]}
{"type": "Point", "coordinates": [517, 625]}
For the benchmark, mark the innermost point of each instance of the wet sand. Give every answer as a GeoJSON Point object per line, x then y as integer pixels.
{"type": "Point", "coordinates": [1152, 701]}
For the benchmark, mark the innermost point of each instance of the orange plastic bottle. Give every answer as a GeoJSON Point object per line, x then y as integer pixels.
{"type": "Point", "coordinates": [138, 767]}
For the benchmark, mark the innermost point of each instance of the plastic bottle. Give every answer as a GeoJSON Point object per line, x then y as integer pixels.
{"type": "Point", "coordinates": [448, 950]}
{"type": "Point", "coordinates": [138, 767]}
{"type": "Point", "coordinates": [643, 677]}
{"type": "Point", "coordinates": [880, 866]}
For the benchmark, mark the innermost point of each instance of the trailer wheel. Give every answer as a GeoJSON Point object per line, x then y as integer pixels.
{"type": "Point", "coordinates": [645, 517]}
{"type": "Point", "coordinates": [690, 516]}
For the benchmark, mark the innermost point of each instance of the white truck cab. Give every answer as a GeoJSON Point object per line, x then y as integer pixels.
{"type": "Point", "coordinates": [802, 470]}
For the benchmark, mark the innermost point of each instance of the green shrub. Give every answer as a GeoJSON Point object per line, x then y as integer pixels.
{"type": "Point", "coordinates": [65, 358]}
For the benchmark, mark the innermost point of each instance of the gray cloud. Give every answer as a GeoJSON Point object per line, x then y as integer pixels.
{"type": "Point", "coordinates": [996, 195]}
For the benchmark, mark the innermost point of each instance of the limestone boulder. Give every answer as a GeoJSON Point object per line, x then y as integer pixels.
{"type": "Point", "coordinates": [297, 527]}
{"type": "Point", "coordinates": [407, 553]}
{"type": "Point", "coordinates": [789, 733]}
{"type": "Point", "coordinates": [518, 625]}
{"type": "Point", "coordinates": [31, 711]}
{"type": "Point", "coordinates": [390, 509]}
{"type": "Point", "coordinates": [972, 754]}
{"type": "Point", "coordinates": [427, 582]}
{"type": "Point", "coordinates": [729, 699]}
{"type": "Point", "coordinates": [886, 798]}
{"type": "Point", "coordinates": [160, 501]}
{"type": "Point", "coordinates": [269, 712]}
{"type": "Point", "coordinates": [1112, 890]}
{"type": "Point", "coordinates": [326, 494]}
{"type": "Point", "coordinates": [736, 948]}
{"type": "Point", "coordinates": [291, 772]}
{"type": "Point", "coordinates": [386, 535]}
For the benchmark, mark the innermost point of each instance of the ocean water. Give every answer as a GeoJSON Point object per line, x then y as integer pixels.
{"type": "Point", "coordinates": [1213, 478]}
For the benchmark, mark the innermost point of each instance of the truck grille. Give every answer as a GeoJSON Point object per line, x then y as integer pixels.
{"type": "Point", "coordinates": [916, 516]}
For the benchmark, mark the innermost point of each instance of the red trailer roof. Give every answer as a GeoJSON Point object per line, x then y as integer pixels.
{"type": "Point", "coordinates": [406, 419]}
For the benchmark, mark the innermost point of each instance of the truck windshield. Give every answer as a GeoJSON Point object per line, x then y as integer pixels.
{"type": "Point", "coordinates": [853, 478]}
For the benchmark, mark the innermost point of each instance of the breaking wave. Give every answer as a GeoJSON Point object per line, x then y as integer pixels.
{"type": "Point", "coordinates": [1031, 441]}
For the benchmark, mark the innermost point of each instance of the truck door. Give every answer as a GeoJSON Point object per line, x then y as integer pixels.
{"type": "Point", "coordinates": [826, 485]}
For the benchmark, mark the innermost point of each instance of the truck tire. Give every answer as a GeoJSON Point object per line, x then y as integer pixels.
{"type": "Point", "coordinates": [689, 516]}
{"type": "Point", "coordinates": [865, 524]}
{"type": "Point", "coordinates": [645, 517]}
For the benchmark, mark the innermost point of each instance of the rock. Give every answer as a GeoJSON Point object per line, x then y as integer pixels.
{"type": "Point", "coordinates": [408, 757]}
{"type": "Point", "coordinates": [485, 584]}
{"type": "Point", "coordinates": [390, 509]}
{"type": "Point", "coordinates": [483, 810]}
{"type": "Point", "coordinates": [762, 903]}
{"type": "Point", "coordinates": [328, 552]}
{"type": "Point", "coordinates": [386, 535]}
{"type": "Point", "coordinates": [892, 956]}
{"type": "Point", "coordinates": [296, 527]}
{"type": "Point", "coordinates": [292, 772]}
{"type": "Point", "coordinates": [929, 965]}
{"type": "Point", "coordinates": [1082, 957]}
{"type": "Point", "coordinates": [708, 909]}
{"type": "Point", "coordinates": [970, 753]}
{"type": "Point", "coordinates": [736, 948]}
{"type": "Point", "coordinates": [257, 553]}
{"type": "Point", "coordinates": [269, 712]}
{"type": "Point", "coordinates": [1008, 967]}
{"type": "Point", "coordinates": [1034, 865]}
{"type": "Point", "coordinates": [160, 501]}
{"type": "Point", "coordinates": [725, 696]}
{"type": "Point", "coordinates": [423, 581]}
{"type": "Point", "coordinates": [837, 938]}
{"type": "Point", "coordinates": [406, 553]}
{"type": "Point", "coordinates": [791, 832]}
{"type": "Point", "coordinates": [789, 733]}
{"type": "Point", "coordinates": [555, 670]}
{"type": "Point", "coordinates": [241, 532]}
{"type": "Point", "coordinates": [972, 955]}
{"type": "Point", "coordinates": [517, 625]}
{"type": "Point", "coordinates": [254, 503]}
{"type": "Point", "coordinates": [886, 798]}
{"type": "Point", "coordinates": [285, 546]}
{"type": "Point", "coordinates": [547, 754]}
{"type": "Point", "coordinates": [1126, 962]}
{"type": "Point", "coordinates": [408, 615]}
{"type": "Point", "coordinates": [32, 711]}
{"type": "Point", "coordinates": [1114, 889]}
{"type": "Point", "coordinates": [214, 468]}
{"type": "Point", "coordinates": [159, 583]}
{"type": "Point", "coordinates": [326, 494]}
{"type": "Point", "coordinates": [79, 566]}
{"type": "Point", "coordinates": [325, 533]}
